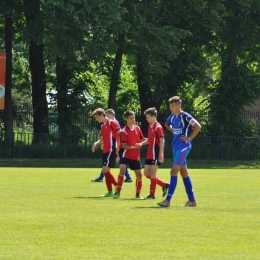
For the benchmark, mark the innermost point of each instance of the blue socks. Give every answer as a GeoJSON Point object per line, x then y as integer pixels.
{"type": "Point", "coordinates": [188, 186]}
{"type": "Point", "coordinates": [101, 176]}
{"type": "Point", "coordinates": [172, 186]}
{"type": "Point", "coordinates": [127, 175]}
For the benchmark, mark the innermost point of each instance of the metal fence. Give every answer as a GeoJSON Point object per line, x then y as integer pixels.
{"type": "Point", "coordinates": [28, 145]}
{"type": "Point", "coordinates": [82, 118]}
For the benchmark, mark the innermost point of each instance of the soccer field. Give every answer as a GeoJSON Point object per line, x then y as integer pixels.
{"type": "Point", "coordinates": [56, 213]}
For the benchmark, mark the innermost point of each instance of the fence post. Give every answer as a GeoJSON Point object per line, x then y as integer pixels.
{"type": "Point", "coordinates": [86, 139]}
{"type": "Point", "coordinates": [220, 147]}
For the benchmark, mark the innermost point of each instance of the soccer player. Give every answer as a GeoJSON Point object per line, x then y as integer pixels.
{"type": "Point", "coordinates": [131, 140]}
{"type": "Point", "coordinates": [110, 113]}
{"type": "Point", "coordinates": [155, 152]}
{"type": "Point", "coordinates": [110, 137]}
{"type": "Point", "coordinates": [180, 123]}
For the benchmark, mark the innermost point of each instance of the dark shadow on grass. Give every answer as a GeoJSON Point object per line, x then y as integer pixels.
{"type": "Point", "coordinates": [98, 198]}
{"type": "Point", "coordinates": [150, 207]}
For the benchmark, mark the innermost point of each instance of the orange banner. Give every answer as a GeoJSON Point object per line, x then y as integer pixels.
{"type": "Point", "coordinates": [2, 79]}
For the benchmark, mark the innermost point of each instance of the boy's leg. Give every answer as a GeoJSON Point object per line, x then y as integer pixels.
{"type": "Point", "coordinates": [179, 161]}
{"type": "Point", "coordinates": [108, 162]}
{"type": "Point", "coordinates": [106, 172]}
{"type": "Point", "coordinates": [173, 181]}
{"type": "Point", "coordinates": [152, 171]}
{"type": "Point", "coordinates": [139, 183]}
{"type": "Point", "coordinates": [127, 176]}
{"type": "Point", "coordinates": [120, 179]}
{"type": "Point", "coordinates": [99, 178]}
{"type": "Point", "coordinates": [188, 186]}
{"type": "Point", "coordinates": [136, 166]}
{"type": "Point", "coordinates": [152, 181]}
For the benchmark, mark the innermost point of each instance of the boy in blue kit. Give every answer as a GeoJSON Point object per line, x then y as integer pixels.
{"type": "Point", "coordinates": [110, 113]}
{"type": "Point", "coordinates": [180, 123]}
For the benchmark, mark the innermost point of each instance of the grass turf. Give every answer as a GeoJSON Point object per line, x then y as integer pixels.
{"type": "Point", "coordinates": [56, 213]}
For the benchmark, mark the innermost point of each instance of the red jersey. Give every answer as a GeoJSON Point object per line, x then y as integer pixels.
{"type": "Point", "coordinates": [109, 135]}
{"type": "Point", "coordinates": [155, 132]}
{"type": "Point", "coordinates": [131, 137]}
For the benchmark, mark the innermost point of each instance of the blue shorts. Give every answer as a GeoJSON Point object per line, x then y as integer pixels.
{"type": "Point", "coordinates": [179, 156]}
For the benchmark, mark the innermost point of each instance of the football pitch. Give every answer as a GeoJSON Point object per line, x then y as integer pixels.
{"type": "Point", "coordinates": [56, 213]}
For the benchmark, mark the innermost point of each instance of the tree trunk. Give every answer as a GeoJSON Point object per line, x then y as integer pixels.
{"type": "Point", "coordinates": [147, 99]}
{"type": "Point", "coordinates": [115, 77]}
{"type": "Point", "coordinates": [8, 112]}
{"type": "Point", "coordinates": [40, 106]}
{"type": "Point", "coordinates": [36, 61]}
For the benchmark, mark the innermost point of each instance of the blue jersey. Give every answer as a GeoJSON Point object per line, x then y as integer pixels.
{"type": "Point", "coordinates": [181, 125]}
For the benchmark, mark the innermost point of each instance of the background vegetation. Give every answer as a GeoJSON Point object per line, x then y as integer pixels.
{"type": "Point", "coordinates": [131, 55]}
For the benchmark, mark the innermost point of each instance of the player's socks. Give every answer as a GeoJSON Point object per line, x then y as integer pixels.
{"type": "Point", "coordinates": [153, 187]}
{"type": "Point", "coordinates": [120, 181]}
{"type": "Point", "coordinates": [172, 186]}
{"type": "Point", "coordinates": [112, 178]}
{"type": "Point", "coordinates": [127, 175]}
{"type": "Point", "coordinates": [108, 182]}
{"type": "Point", "coordinates": [160, 182]}
{"type": "Point", "coordinates": [138, 187]}
{"type": "Point", "coordinates": [101, 176]}
{"type": "Point", "coordinates": [188, 186]}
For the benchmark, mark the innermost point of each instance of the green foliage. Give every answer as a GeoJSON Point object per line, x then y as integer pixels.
{"type": "Point", "coordinates": [240, 86]}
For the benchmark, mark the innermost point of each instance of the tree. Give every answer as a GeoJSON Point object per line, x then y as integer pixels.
{"type": "Point", "coordinates": [77, 37]}
{"type": "Point", "coordinates": [236, 44]}
{"type": "Point", "coordinates": [35, 28]}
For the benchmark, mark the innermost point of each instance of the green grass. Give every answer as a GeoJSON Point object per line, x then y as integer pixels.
{"type": "Point", "coordinates": [56, 213]}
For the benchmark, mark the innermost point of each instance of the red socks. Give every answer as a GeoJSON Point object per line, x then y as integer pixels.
{"type": "Point", "coordinates": [138, 185]}
{"type": "Point", "coordinates": [120, 182]}
{"type": "Point", "coordinates": [110, 179]}
{"type": "Point", "coordinates": [153, 186]}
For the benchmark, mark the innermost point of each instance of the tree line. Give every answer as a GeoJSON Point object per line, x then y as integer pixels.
{"type": "Point", "coordinates": [131, 54]}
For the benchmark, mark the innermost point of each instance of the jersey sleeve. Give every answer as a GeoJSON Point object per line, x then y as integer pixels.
{"type": "Point", "coordinates": [159, 132]}
{"type": "Point", "coordinates": [114, 125]}
{"type": "Point", "coordinates": [169, 120]}
{"type": "Point", "coordinates": [123, 136]}
{"type": "Point", "coordinates": [191, 119]}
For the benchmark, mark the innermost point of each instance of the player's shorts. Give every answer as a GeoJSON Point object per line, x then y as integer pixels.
{"type": "Point", "coordinates": [133, 164]}
{"type": "Point", "coordinates": [120, 152]}
{"type": "Point", "coordinates": [180, 155]}
{"type": "Point", "coordinates": [109, 159]}
{"type": "Point", "coordinates": [152, 162]}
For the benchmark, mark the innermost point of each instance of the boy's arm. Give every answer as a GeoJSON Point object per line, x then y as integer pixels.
{"type": "Point", "coordinates": [195, 131]}
{"type": "Point", "coordinates": [118, 139]}
{"type": "Point", "coordinates": [144, 141]}
{"type": "Point", "coordinates": [168, 127]}
{"type": "Point", "coordinates": [161, 150]}
{"type": "Point", "coordinates": [128, 147]}
{"type": "Point", "coordinates": [94, 146]}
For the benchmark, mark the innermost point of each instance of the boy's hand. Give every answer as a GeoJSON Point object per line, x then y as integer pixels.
{"type": "Point", "coordinates": [94, 147]}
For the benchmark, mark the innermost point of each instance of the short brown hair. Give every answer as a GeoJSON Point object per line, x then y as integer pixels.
{"type": "Point", "coordinates": [99, 112]}
{"type": "Point", "coordinates": [129, 113]}
{"type": "Point", "coordinates": [111, 111]}
{"type": "Point", "coordinates": [151, 111]}
{"type": "Point", "coordinates": [175, 99]}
